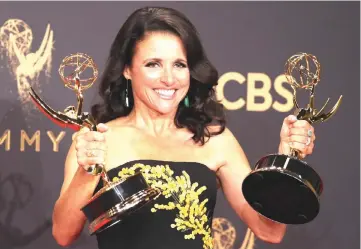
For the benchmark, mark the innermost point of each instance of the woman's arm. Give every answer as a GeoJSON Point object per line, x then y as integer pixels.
{"type": "Point", "coordinates": [77, 189]}
{"type": "Point", "coordinates": [78, 186]}
{"type": "Point", "coordinates": [235, 168]}
{"type": "Point", "coordinates": [231, 174]}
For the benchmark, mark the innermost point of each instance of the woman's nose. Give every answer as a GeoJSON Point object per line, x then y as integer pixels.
{"type": "Point", "coordinates": [168, 77]}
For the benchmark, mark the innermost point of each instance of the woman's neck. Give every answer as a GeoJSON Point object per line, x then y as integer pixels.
{"type": "Point", "coordinates": [153, 122]}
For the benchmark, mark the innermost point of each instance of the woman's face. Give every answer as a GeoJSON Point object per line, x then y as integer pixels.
{"type": "Point", "coordinates": [159, 72]}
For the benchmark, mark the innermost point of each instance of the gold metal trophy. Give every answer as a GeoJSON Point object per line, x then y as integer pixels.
{"type": "Point", "coordinates": [284, 188]}
{"type": "Point", "coordinates": [116, 199]}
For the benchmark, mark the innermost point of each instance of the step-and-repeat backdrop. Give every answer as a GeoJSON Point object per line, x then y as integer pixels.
{"type": "Point", "coordinates": [249, 43]}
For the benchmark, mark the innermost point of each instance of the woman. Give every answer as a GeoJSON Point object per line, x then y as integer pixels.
{"type": "Point", "coordinates": [159, 108]}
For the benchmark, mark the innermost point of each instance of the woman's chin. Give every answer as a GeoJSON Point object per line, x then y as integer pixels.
{"type": "Point", "coordinates": [166, 109]}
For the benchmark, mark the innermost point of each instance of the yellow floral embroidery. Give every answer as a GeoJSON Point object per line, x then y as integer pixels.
{"type": "Point", "coordinates": [192, 214]}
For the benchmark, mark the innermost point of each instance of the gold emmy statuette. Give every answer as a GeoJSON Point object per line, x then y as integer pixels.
{"type": "Point", "coordinates": [116, 199]}
{"type": "Point", "coordinates": [284, 188]}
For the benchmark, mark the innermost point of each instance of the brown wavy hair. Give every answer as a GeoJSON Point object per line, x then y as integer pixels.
{"type": "Point", "coordinates": [203, 111]}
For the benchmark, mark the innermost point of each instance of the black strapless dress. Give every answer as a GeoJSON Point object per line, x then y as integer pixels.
{"type": "Point", "coordinates": [182, 220]}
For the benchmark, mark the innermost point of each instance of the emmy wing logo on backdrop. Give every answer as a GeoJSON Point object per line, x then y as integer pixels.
{"type": "Point", "coordinates": [15, 42]}
{"type": "Point", "coordinates": [16, 192]}
{"type": "Point", "coordinates": [26, 66]}
{"type": "Point", "coordinates": [16, 189]}
{"type": "Point", "coordinates": [224, 235]}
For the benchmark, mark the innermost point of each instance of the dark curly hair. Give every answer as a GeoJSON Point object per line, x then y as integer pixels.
{"type": "Point", "coordinates": [204, 110]}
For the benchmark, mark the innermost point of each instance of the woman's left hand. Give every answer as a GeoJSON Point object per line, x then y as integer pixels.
{"type": "Point", "coordinates": [298, 135]}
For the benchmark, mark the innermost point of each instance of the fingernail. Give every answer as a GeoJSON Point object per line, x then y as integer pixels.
{"type": "Point", "coordinates": [293, 118]}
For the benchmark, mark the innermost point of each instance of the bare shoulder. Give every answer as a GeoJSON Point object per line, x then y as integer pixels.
{"type": "Point", "coordinates": [119, 135]}
{"type": "Point", "coordinates": [119, 126]}
{"type": "Point", "coordinates": [226, 138]}
{"type": "Point", "coordinates": [118, 122]}
{"type": "Point", "coordinates": [229, 151]}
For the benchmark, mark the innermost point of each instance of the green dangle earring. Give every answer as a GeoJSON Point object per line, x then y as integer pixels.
{"type": "Point", "coordinates": [186, 101]}
{"type": "Point", "coordinates": [126, 95]}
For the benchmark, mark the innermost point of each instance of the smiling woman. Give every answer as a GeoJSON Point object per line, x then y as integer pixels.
{"type": "Point", "coordinates": [159, 73]}
{"type": "Point", "coordinates": [159, 114]}
{"type": "Point", "coordinates": [158, 49]}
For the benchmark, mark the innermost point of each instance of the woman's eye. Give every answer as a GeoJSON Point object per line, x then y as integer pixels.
{"type": "Point", "coordinates": [152, 64]}
{"type": "Point", "coordinates": [181, 65]}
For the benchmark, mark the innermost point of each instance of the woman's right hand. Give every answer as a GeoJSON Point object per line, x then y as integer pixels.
{"type": "Point", "coordinates": [91, 147]}
{"type": "Point", "coordinates": [88, 148]}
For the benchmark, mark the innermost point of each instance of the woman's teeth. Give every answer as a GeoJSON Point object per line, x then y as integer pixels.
{"type": "Point", "coordinates": [165, 93]}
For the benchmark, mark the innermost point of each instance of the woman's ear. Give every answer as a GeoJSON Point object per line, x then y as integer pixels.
{"type": "Point", "coordinates": [126, 73]}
